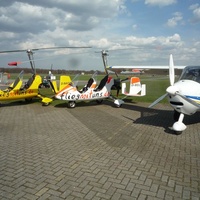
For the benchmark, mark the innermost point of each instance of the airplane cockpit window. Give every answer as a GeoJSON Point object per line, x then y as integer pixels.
{"type": "Point", "coordinates": [191, 73]}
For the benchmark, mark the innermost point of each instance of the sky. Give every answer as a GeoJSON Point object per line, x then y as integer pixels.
{"type": "Point", "coordinates": [135, 32]}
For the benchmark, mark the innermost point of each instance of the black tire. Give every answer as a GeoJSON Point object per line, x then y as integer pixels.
{"type": "Point", "coordinates": [178, 132]}
{"type": "Point", "coordinates": [99, 101]}
{"type": "Point", "coordinates": [45, 104]}
{"type": "Point", "coordinates": [119, 106]}
{"type": "Point", "coordinates": [28, 100]}
{"type": "Point", "coordinates": [71, 104]}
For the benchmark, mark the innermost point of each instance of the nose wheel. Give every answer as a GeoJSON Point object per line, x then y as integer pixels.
{"type": "Point", "coordinates": [178, 126]}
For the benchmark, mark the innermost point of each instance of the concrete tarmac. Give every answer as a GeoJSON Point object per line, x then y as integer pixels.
{"type": "Point", "coordinates": [97, 152]}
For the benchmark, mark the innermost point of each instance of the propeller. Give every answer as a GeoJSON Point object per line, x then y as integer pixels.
{"type": "Point", "coordinates": [171, 89]}
{"type": "Point", "coordinates": [117, 83]}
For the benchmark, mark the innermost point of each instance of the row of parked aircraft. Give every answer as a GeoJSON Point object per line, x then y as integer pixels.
{"type": "Point", "coordinates": [183, 95]}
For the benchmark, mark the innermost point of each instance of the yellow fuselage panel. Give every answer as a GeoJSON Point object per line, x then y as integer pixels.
{"type": "Point", "coordinates": [18, 94]}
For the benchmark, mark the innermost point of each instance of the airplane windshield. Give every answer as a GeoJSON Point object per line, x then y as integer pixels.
{"type": "Point", "coordinates": [191, 73]}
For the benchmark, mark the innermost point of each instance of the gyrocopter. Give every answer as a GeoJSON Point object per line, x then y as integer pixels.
{"type": "Point", "coordinates": [94, 91]}
{"type": "Point", "coordinates": [17, 90]}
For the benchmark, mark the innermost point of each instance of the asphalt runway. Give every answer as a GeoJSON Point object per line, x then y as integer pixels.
{"type": "Point", "coordinates": [97, 152]}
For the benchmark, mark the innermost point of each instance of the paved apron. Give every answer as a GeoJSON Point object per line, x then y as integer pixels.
{"type": "Point", "coordinates": [97, 152]}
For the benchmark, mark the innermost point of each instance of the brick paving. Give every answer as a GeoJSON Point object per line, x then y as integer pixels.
{"type": "Point", "coordinates": [97, 152]}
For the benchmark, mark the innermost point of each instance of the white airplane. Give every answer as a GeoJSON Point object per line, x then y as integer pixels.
{"type": "Point", "coordinates": [183, 95]}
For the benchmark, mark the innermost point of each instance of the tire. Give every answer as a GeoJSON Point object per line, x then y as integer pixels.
{"type": "Point", "coordinates": [28, 100]}
{"type": "Point", "coordinates": [119, 106]}
{"type": "Point", "coordinates": [45, 104]}
{"type": "Point", "coordinates": [99, 101]}
{"type": "Point", "coordinates": [178, 132]}
{"type": "Point", "coordinates": [71, 104]}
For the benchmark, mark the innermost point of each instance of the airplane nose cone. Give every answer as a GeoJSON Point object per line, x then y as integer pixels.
{"type": "Point", "coordinates": [173, 90]}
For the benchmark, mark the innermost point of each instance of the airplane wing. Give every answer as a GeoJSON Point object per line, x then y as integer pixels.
{"type": "Point", "coordinates": [143, 67]}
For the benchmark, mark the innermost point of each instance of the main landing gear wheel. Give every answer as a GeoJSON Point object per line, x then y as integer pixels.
{"type": "Point", "coordinates": [71, 104]}
{"type": "Point", "coordinates": [45, 104]}
{"type": "Point", "coordinates": [99, 101]}
{"type": "Point", "coordinates": [119, 106]}
{"type": "Point", "coordinates": [28, 100]}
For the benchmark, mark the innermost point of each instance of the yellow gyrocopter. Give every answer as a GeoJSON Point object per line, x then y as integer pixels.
{"type": "Point", "coordinates": [30, 90]}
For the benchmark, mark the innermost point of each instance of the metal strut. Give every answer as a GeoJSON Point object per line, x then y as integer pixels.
{"type": "Point", "coordinates": [31, 59]}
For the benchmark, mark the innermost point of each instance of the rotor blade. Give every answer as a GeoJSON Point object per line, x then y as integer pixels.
{"type": "Point", "coordinates": [47, 48]}
{"type": "Point", "coordinates": [158, 100]}
{"type": "Point", "coordinates": [12, 51]}
{"type": "Point", "coordinates": [61, 48]}
{"type": "Point", "coordinates": [171, 70]}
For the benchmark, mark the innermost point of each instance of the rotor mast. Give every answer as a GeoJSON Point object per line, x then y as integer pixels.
{"type": "Point", "coordinates": [104, 55]}
{"type": "Point", "coordinates": [31, 59]}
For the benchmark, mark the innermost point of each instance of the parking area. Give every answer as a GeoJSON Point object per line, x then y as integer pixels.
{"type": "Point", "coordinates": [97, 152]}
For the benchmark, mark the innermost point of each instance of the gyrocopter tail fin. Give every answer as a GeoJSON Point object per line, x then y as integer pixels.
{"type": "Point", "coordinates": [64, 80]}
{"type": "Point", "coordinates": [136, 88]}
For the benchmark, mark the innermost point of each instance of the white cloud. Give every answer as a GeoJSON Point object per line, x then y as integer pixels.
{"type": "Point", "coordinates": [100, 24]}
{"type": "Point", "coordinates": [196, 12]}
{"type": "Point", "coordinates": [177, 17]}
{"type": "Point", "coordinates": [102, 43]}
{"type": "Point", "coordinates": [174, 40]}
{"type": "Point", "coordinates": [160, 2]}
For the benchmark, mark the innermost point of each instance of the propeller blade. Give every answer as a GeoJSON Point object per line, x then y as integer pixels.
{"type": "Point", "coordinates": [125, 79]}
{"type": "Point", "coordinates": [171, 70]}
{"type": "Point", "coordinates": [158, 100]}
{"type": "Point", "coordinates": [117, 92]}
